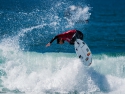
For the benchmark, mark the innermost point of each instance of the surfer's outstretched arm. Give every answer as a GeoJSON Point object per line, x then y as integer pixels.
{"type": "Point", "coordinates": [51, 41]}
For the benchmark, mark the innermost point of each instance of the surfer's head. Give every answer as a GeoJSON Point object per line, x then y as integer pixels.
{"type": "Point", "coordinates": [60, 41]}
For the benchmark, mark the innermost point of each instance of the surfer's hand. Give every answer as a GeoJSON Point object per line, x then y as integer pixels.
{"type": "Point", "coordinates": [48, 45]}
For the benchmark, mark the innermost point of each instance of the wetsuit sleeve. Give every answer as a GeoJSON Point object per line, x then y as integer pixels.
{"type": "Point", "coordinates": [53, 39]}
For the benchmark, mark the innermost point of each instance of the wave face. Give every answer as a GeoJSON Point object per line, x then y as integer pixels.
{"type": "Point", "coordinates": [27, 66]}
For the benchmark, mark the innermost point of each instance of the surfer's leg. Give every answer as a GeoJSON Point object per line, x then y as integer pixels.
{"type": "Point", "coordinates": [79, 35]}
{"type": "Point", "coordinates": [73, 39]}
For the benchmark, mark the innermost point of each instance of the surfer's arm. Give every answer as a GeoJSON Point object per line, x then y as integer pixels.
{"type": "Point", "coordinates": [51, 41]}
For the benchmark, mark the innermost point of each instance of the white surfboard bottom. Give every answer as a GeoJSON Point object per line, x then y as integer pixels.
{"type": "Point", "coordinates": [83, 52]}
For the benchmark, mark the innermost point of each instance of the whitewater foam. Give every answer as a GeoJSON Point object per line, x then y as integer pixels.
{"type": "Point", "coordinates": [32, 72]}
{"type": "Point", "coordinates": [42, 73]}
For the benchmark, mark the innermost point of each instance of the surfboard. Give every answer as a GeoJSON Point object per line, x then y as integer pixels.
{"type": "Point", "coordinates": [83, 52]}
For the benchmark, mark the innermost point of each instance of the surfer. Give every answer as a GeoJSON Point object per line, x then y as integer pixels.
{"type": "Point", "coordinates": [69, 36]}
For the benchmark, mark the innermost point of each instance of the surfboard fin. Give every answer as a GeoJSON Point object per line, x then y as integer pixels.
{"type": "Point", "coordinates": [80, 56]}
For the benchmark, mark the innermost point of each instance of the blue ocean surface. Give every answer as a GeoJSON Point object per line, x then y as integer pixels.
{"type": "Point", "coordinates": [28, 67]}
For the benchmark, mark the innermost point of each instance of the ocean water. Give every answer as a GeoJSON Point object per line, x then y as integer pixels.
{"type": "Point", "coordinates": [28, 67]}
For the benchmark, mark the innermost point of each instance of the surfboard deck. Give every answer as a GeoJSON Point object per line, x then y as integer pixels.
{"type": "Point", "coordinates": [83, 52]}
